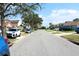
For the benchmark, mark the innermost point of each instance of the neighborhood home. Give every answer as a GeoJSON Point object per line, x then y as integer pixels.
{"type": "Point", "coordinates": [12, 23]}
{"type": "Point", "coordinates": [73, 24]}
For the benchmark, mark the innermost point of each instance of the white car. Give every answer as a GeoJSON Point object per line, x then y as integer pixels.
{"type": "Point", "coordinates": [27, 29]}
{"type": "Point", "coordinates": [13, 32]}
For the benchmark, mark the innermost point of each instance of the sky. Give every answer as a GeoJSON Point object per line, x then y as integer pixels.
{"type": "Point", "coordinates": [56, 13]}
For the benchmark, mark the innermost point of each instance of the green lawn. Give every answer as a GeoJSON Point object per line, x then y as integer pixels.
{"type": "Point", "coordinates": [72, 37]}
{"type": "Point", "coordinates": [58, 32]}
{"type": "Point", "coordinates": [49, 30]}
{"type": "Point", "coordinates": [54, 31]}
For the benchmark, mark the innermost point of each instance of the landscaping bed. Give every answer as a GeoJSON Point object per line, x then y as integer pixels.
{"type": "Point", "coordinates": [11, 41]}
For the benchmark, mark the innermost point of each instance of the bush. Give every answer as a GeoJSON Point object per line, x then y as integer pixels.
{"type": "Point", "coordinates": [43, 27]}
{"type": "Point", "coordinates": [66, 28]}
{"type": "Point", "coordinates": [51, 28]}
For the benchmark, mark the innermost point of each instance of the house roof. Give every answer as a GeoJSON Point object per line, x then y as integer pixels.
{"type": "Point", "coordinates": [71, 23]}
{"type": "Point", "coordinates": [10, 23]}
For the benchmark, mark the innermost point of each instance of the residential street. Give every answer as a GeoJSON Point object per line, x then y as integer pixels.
{"type": "Point", "coordinates": [42, 43]}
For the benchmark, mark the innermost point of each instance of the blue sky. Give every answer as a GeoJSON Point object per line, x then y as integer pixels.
{"type": "Point", "coordinates": [57, 12]}
{"type": "Point", "coordinates": [48, 7]}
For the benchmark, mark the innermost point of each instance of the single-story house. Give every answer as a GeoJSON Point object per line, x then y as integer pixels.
{"type": "Point", "coordinates": [73, 24]}
{"type": "Point", "coordinates": [12, 23]}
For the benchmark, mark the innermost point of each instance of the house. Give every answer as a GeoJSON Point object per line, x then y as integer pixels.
{"type": "Point", "coordinates": [12, 23]}
{"type": "Point", "coordinates": [72, 24]}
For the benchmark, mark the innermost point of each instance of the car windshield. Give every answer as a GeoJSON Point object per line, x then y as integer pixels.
{"type": "Point", "coordinates": [12, 29]}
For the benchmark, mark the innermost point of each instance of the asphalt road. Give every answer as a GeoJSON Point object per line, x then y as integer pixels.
{"type": "Point", "coordinates": [42, 43]}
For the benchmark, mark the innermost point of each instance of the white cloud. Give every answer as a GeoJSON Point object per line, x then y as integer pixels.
{"type": "Point", "coordinates": [60, 16]}
{"type": "Point", "coordinates": [62, 12]}
{"type": "Point", "coordinates": [42, 16]}
{"type": "Point", "coordinates": [72, 11]}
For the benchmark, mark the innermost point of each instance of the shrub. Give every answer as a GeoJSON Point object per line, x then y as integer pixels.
{"type": "Point", "coordinates": [43, 27]}
{"type": "Point", "coordinates": [66, 28]}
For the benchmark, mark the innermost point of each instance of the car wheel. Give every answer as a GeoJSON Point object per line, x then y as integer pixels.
{"type": "Point", "coordinates": [14, 36]}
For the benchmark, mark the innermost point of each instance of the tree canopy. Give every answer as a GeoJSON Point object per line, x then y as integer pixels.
{"type": "Point", "coordinates": [33, 19]}
{"type": "Point", "coordinates": [76, 19]}
{"type": "Point", "coordinates": [8, 9]}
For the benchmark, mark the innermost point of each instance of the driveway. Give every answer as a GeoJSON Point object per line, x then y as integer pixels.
{"type": "Point", "coordinates": [42, 43]}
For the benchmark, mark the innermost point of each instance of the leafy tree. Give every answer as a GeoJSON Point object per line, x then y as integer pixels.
{"type": "Point", "coordinates": [60, 24]}
{"type": "Point", "coordinates": [33, 19]}
{"type": "Point", "coordinates": [76, 19]}
{"type": "Point", "coordinates": [8, 9]}
{"type": "Point", "coordinates": [43, 27]}
{"type": "Point", "coordinates": [51, 26]}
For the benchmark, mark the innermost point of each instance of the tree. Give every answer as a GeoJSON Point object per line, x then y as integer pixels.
{"type": "Point", "coordinates": [60, 24]}
{"type": "Point", "coordinates": [8, 9]}
{"type": "Point", "coordinates": [33, 19]}
{"type": "Point", "coordinates": [76, 19]}
{"type": "Point", "coordinates": [51, 26]}
{"type": "Point", "coordinates": [43, 27]}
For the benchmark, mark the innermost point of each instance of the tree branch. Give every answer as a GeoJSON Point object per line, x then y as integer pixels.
{"type": "Point", "coordinates": [9, 4]}
{"type": "Point", "coordinates": [9, 14]}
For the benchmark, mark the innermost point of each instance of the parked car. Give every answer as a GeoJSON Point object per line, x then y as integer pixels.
{"type": "Point", "coordinates": [27, 29]}
{"type": "Point", "coordinates": [13, 32]}
{"type": "Point", "coordinates": [4, 48]}
{"type": "Point", "coordinates": [77, 30]}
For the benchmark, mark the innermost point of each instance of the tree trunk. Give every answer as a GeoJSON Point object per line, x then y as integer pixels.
{"type": "Point", "coordinates": [2, 25]}
{"type": "Point", "coordinates": [2, 19]}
